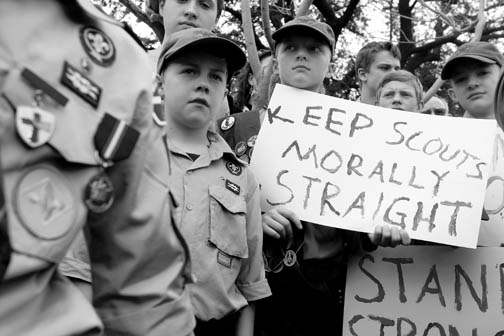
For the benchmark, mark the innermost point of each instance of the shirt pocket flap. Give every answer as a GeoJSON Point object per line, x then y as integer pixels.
{"type": "Point", "coordinates": [228, 229]}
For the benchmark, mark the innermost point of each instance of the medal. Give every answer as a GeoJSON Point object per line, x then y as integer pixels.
{"type": "Point", "coordinates": [99, 193]}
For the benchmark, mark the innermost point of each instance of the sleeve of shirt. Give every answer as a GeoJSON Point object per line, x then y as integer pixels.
{"type": "Point", "coordinates": [133, 250]}
{"type": "Point", "coordinates": [252, 281]}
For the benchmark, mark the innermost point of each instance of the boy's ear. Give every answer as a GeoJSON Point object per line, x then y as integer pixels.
{"type": "Point", "coordinates": [331, 69]}
{"type": "Point", "coordinates": [452, 95]}
{"type": "Point", "coordinates": [158, 85]}
{"type": "Point", "coordinates": [420, 106]}
{"type": "Point", "coordinates": [361, 75]}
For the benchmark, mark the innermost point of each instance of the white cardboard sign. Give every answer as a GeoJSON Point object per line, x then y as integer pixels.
{"type": "Point", "coordinates": [353, 166]}
{"type": "Point", "coordinates": [425, 290]}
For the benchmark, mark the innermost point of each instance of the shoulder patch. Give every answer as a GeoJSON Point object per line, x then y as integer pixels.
{"type": "Point", "coordinates": [45, 203]}
{"type": "Point", "coordinates": [234, 168]}
{"type": "Point", "coordinates": [98, 46]}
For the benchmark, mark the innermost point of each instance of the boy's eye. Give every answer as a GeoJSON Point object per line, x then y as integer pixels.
{"type": "Point", "coordinates": [389, 94]}
{"type": "Point", "coordinates": [206, 4]}
{"type": "Point", "coordinates": [216, 77]}
{"type": "Point", "coordinates": [188, 71]}
{"type": "Point", "coordinates": [316, 49]}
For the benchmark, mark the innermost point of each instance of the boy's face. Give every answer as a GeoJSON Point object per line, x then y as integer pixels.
{"type": "Point", "coordinates": [399, 96]}
{"type": "Point", "coordinates": [303, 61]}
{"type": "Point", "coordinates": [183, 14]}
{"type": "Point", "coordinates": [384, 62]}
{"type": "Point", "coordinates": [194, 85]}
{"type": "Point", "coordinates": [473, 87]}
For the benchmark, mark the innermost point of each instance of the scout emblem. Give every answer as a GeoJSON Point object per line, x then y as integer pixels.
{"type": "Point", "coordinates": [45, 203]}
{"type": "Point", "coordinates": [251, 141]}
{"type": "Point", "coordinates": [235, 188]}
{"type": "Point", "coordinates": [81, 85]}
{"type": "Point", "coordinates": [99, 193]}
{"type": "Point", "coordinates": [240, 148]}
{"type": "Point", "coordinates": [227, 123]}
{"type": "Point", "coordinates": [290, 258]}
{"type": "Point", "coordinates": [98, 46]}
{"type": "Point", "coordinates": [233, 168]}
{"type": "Point", "coordinates": [34, 125]}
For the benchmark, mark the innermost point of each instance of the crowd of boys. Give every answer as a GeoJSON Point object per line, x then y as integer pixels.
{"type": "Point", "coordinates": [172, 240]}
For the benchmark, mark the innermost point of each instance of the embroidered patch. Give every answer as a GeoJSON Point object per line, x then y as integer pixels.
{"type": "Point", "coordinates": [34, 126]}
{"type": "Point", "coordinates": [233, 187]}
{"type": "Point", "coordinates": [81, 85]}
{"type": "Point", "coordinates": [98, 46]}
{"type": "Point", "coordinates": [240, 148]}
{"type": "Point", "coordinates": [227, 123]}
{"type": "Point", "coordinates": [224, 259]}
{"type": "Point", "coordinates": [233, 168]}
{"type": "Point", "coordinates": [45, 203]}
{"type": "Point", "coordinates": [252, 140]}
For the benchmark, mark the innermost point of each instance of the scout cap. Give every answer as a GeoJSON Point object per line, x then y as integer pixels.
{"type": "Point", "coordinates": [154, 6]}
{"type": "Point", "coordinates": [482, 51]}
{"type": "Point", "coordinates": [201, 39]}
{"type": "Point", "coordinates": [306, 23]}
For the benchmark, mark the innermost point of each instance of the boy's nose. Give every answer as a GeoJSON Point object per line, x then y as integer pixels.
{"type": "Point", "coordinates": [190, 10]}
{"type": "Point", "coordinates": [203, 86]}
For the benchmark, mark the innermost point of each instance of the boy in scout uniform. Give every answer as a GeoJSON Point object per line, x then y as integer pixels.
{"type": "Point", "coordinates": [400, 90]}
{"type": "Point", "coordinates": [73, 154]}
{"type": "Point", "coordinates": [218, 196]}
{"type": "Point", "coordinates": [307, 262]}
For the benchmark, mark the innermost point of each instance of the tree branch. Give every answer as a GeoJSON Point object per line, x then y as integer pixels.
{"type": "Point", "coordinates": [142, 16]}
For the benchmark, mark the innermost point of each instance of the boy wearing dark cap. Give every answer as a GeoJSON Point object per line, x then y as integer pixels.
{"type": "Point", "coordinates": [308, 261]}
{"type": "Point", "coordinates": [218, 197]}
{"type": "Point", "coordinates": [473, 71]}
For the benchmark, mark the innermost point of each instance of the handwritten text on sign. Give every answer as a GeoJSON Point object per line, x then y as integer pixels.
{"type": "Point", "coordinates": [350, 165]}
{"type": "Point", "coordinates": [413, 290]}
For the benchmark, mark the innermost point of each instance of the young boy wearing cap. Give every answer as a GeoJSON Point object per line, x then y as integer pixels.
{"type": "Point", "coordinates": [308, 293]}
{"type": "Point", "coordinates": [218, 212]}
{"type": "Point", "coordinates": [400, 90]}
{"type": "Point", "coordinates": [473, 71]}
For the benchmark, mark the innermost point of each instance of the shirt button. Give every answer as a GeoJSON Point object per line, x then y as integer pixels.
{"type": "Point", "coordinates": [189, 172]}
{"type": "Point", "coordinates": [189, 207]}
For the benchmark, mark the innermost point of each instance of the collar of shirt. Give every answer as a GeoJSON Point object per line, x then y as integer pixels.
{"type": "Point", "coordinates": [218, 148]}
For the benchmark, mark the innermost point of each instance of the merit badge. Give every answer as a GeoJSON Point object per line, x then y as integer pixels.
{"type": "Point", "coordinates": [233, 168]}
{"type": "Point", "coordinates": [290, 258]}
{"type": "Point", "coordinates": [81, 85]}
{"type": "Point", "coordinates": [99, 193]}
{"type": "Point", "coordinates": [235, 188]}
{"type": "Point", "coordinates": [34, 125]}
{"type": "Point", "coordinates": [240, 148]}
{"type": "Point", "coordinates": [98, 46]}
{"type": "Point", "coordinates": [227, 123]}
{"type": "Point", "coordinates": [251, 141]}
{"type": "Point", "coordinates": [44, 203]}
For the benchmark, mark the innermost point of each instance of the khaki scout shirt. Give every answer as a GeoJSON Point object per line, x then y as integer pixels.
{"type": "Point", "coordinates": [219, 215]}
{"type": "Point", "coordinates": [44, 184]}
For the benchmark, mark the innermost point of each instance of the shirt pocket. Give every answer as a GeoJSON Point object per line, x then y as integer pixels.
{"type": "Point", "coordinates": [228, 227]}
